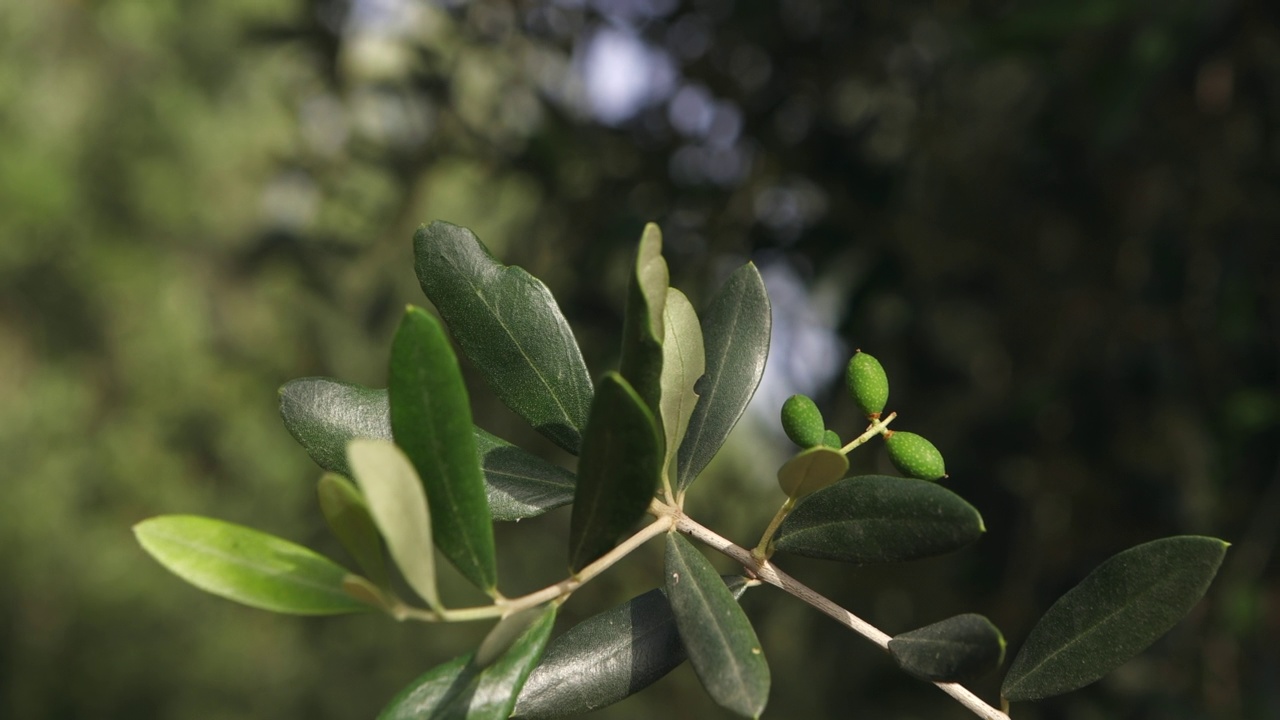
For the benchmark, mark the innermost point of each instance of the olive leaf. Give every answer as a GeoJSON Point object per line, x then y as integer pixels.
{"type": "Point", "coordinates": [959, 648]}
{"type": "Point", "coordinates": [643, 327]}
{"type": "Point", "coordinates": [1122, 607]}
{"type": "Point", "coordinates": [246, 565]}
{"type": "Point", "coordinates": [520, 484]}
{"type": "Point", "coordinates": [431, 422]}
{"type": "Point", "coordinates": [683, 363]}
{"type": "Point", "coordinates": [347, 514]}
{"type": "Point", "coordinates": [735, 332]}
{"type": "Point", "coordinates": [879, 519]}
{"type": "Point", "coordinates": [812, 470]}
{"type": "Point", "coordinates": [508, 324]}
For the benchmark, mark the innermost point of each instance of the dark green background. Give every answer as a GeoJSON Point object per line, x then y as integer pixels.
{"type": "Point", "coordinates": [1055, 223]}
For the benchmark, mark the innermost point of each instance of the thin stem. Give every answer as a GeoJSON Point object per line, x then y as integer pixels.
{"type": "Point", "coordinates": [875, 429]}
{"type": "Point", "coordinates": [761, 551]}
{"type": "Point", "coordinates": [765, 571]}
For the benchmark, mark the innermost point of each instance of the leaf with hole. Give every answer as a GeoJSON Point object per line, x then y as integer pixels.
{"type": "Point", "coordinates": [431, 421]}
{"type": "Point", "coordinates": [735, 332]}
{"type": "Point", "coordinates": [247, 566]}
{"type": "Point", "coordinates": [399, 507]}
{"type": "Point", "coordinates": [608, 657]}
{"type": "Point", "coordinates": [722, 645]}
{"type": "Point", "coordinates": [462, 689]}
{"type": "Point", "coordinates": [508, 324]}
{"type": "Point", "coordinates": [617, 473]}
{"type": "Point", "coordinates": [1122, 607]}
{"type": "Point", "coordinates": [957, 649]}
{"type": "Point", "coordinates": [879, 519]}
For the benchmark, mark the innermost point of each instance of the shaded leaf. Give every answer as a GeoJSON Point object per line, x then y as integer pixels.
{"type": "Point", "coordinates": [735, 332]}
{"type": "Point", "coordinates": [324, 414]}
{"type": "Point", "coordinates": [617, 474]}
{"type": "Point", "coordinates": [1122, 607]}
{"type": "Point", "coordinates": [347, 514]}
{"type": "Point", "coordinates": [504, 634]}
{"type": "Point", "coordinates": [959, 648]}
{"type": "Point", "coordinates": [721, 643]}
{"type": "Point", "coordinates": [812, 470]}
{"type": "Point", "coordinates": [643, 327]}
{"type": "Point", "coordinates": [509, 325]}
{"type": "Point", "coordinates": [683, 364]}
{"type": "Point", "coordinates": [399, 507]}
{"type": "Point", "coordinates": [431, 421]}
{"type": "Point", "coordinates": [608, 657]}
{"type": "Point", "coordinates": [460, 689]}
{"type": "Point", "coordinates": [519, 483]}
{"type": "Point", "coordinates": [246, 565]}
{"type": "Point", "coordinates": [879, 519]}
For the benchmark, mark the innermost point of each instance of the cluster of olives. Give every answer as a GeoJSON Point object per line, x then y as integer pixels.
{"type": "Point", "coordinates": [913, 455]}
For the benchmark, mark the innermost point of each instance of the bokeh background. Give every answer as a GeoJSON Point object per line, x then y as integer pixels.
{"type": "Point", "coordinates": [1055, 222]}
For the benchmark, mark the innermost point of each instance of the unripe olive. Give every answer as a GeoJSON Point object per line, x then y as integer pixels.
{"type": "Point", "coordinates": [867, 383]}
{"type": "Point", "coordinates": [831, 439]}
{"type": "Point", "coordinates": [802, 421]}
{"type": "Point", "coordinates": [914, 456]}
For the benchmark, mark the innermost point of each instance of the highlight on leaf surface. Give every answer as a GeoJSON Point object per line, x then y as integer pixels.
{"type": "Point", "coordinates": [879, 519]}
{"type": "Point", "coordinates": [1116, 612]}
{"type": "Point", "coordinates": [324, 414]}
{"type": "Point", "coordinates": [508, 324]}
{"type": "Point", "coordinates": [246, 565]}
{"type": "Point", "coordinates": [957, 649]}
{"type": "Point", "coordinates": [608, 657]}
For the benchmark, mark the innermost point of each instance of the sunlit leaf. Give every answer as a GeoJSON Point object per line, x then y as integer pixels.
{"type": "Point", "coordinates": [643, 328]}
{"type": "Point", "coordinates": [1122, 607]}
{"type": "Point", "coordinates": [812, 470]}
{"type": "Point", "coordinates": [509, 325]}
{"type": "Point", "coordinates": [347, 513]}
{"type": "Point", "coordinates": [398, 505]}
{"type": "Point", "coordinates": [618, 471]}
{"type": "Point", "coordinates": [953, 650]}
{"type": "Point", "coordinates": [520, 484]}
{"type": "Point", "coordinates": [879, 519]}
{"type": "Point", "coordinates": [683, 364]}
{"type": "Point", "coordinates": [608, 657]}
{"type": "Point", "coordinates": [735, 331]}
{"type": "Point", "coordinates": [722, 645]}
{"type": "Point", "coordinates": [431, 421]}
{"type": "Point", "coordinates": [324, 414]}
{"type": "Point", "coordinates": [247, 566]}
{"type": "Point", "coordinates": [461, 689]}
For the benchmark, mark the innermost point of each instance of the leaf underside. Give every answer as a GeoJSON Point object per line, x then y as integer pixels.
{"type": "Point", "coordinates": [1116, 612]}
{"type": "Point", "coordinates": [722, 645]}
{"type": "Point", "coordinates": [812, 470]}
{"type": "Point", "coordinates": [246, 565]}
{"type": "Point", "coordinates": [683, 363]}
{"type": "Point", "coordinates": [957, 649]}
{"type": "Point", "coordinates": [643, 326]}
{"type": "Point", "coordinates": [508, 324]}
{"type": "Point", "coordinates": [735, 332]}
{"type": "Point", "coordinates": [879, 519]}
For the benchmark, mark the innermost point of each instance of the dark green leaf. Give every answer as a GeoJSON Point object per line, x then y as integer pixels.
{"type": "Point", "coordinates": [879, 519]}
{"type": "Point", "coordinates": [509, 325]}
{"type": "Point", "coordinates": [247, 566]}
{"type": "Point", "coordinates": [1122, 607]}
{"type": "Point", "coordinates": [348, 516]}
{"type": "Point", "coordinates": [324, 414]}
{"type": "Point", "coordinates": [735, 331]}
{"type": "Point", "coordinates": [959, 648]}
{"type": "Point", "coordinates": [461, 690]}
{"type": "Point", "coordinates": [683, 364]}
{"type": "Point", "coordinates": [617, 474]}
{"type": "Point", "coordinates": [521, 484]}
{"type": "Point", "coordinates": [721, 643]}
{"type": "Point", "coordinates": [812, 470]}
{"type": "Point", "coordinates": [643, 328]}
{"type": "Point", "coordinates": [608, 657]}
{"type": "Point", "coordinates": [431, 421]}
{"type": "Point", "coordinates": [398, 506]}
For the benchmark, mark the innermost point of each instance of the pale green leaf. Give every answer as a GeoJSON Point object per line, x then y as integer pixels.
{"type": "Point", "coordinates": [683, 364]}
{"type": "Point", "coordinates": [812, 470]}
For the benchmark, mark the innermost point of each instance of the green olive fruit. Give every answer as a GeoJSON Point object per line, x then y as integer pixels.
{"type": "Point", "coordinates": [868, 384]}
{"type": "Point", "coordinates": [802, 420]}
{"type": "Point", "coordinates": [831, 439]}
{"type": "Point", "coordinates": [914, 456]}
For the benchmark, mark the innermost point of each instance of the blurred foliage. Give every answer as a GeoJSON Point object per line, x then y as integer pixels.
{"type": "Point", "coordinates": [1055, 223]}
